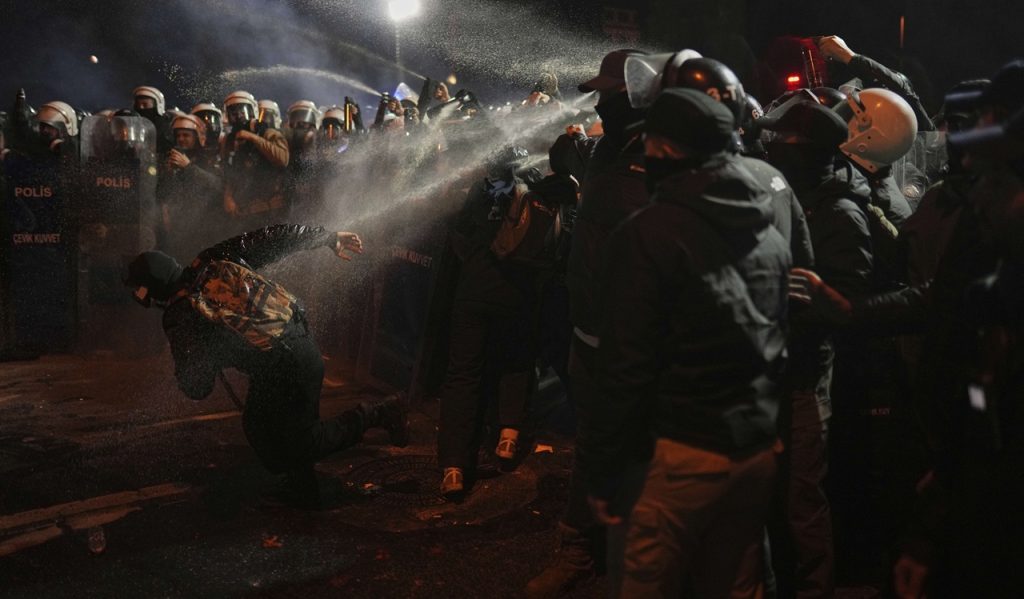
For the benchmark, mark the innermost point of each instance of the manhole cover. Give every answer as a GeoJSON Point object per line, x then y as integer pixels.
{"type": "Point", "coordinates": [400, 493]}
{"type": "Point", "coordinates": [401, 480]}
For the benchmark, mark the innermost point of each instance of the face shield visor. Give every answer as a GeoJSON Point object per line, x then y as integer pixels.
{"type": "Point", "coordinates": [124, 131]}
{"type": "Point", "coordinates": [269, 117]}
{"type": "Point", "coordinates": [240, 114]}
{"type": "Point", "coordinates": [212, 120]}
{"type": "Point", "coordinates": [302, 119]}
{"type": "Point", "coordinates": [333, 129]}
{"type": "Point", "coordinates": [645, 73]}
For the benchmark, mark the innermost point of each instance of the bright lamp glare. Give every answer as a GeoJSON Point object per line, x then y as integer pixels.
{"type": "Point", "coordinates": [401, 10]}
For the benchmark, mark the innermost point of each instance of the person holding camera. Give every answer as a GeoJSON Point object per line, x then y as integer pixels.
{"type": "Point", "coordinates": [255, 159]}
{"type": "Point", "coordinates": [189, 187]}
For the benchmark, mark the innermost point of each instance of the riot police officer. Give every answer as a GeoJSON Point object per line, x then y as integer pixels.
{"type": "Point", "coordinates": [255, 159]}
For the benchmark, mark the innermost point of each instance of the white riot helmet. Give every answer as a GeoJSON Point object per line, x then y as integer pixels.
{"type": "Point", "coordinates": [304, 112]}
{"type": "Point", "coordinates": [146, 91]}
{"type": "Point", "coordinates": [192, 123]}
{"type": "Point", "coordinates": [333, 124]}
{"type": "Point", "coordinates": [270, 113]}
{"type": "Point", "coordinates": [240, 107]}
{"type": "Point", "coordinates": [60, 116]}
{"type": "Point", "coordinates": [211, 115]}
{"type": "Point", "coordinates": [882, 129]}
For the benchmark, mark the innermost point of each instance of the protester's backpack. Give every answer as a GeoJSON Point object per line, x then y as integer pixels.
{"type": "Point", "coordinates": [531, 228]}
{"type": "Point", "coordinates": [240, 299]}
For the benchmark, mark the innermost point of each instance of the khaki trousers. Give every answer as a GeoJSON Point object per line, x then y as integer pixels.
{"type": "Point", "coordinates": [698, 524]}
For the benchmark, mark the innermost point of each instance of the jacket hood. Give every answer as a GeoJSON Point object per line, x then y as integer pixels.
{"type": "Point", "coordinates": [723, 192]}
{"type": "Point", "coordinates": [157, 272]}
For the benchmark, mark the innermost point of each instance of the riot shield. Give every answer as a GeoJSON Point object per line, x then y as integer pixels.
{"type": "Point", "coordinates": [922, 166]}
{"type": "Point", "coordinates": [119, 172]}
{"type": "Point", "coordinates": [38, 253]}
{"type": "Point", "coordinates": [116, 214]}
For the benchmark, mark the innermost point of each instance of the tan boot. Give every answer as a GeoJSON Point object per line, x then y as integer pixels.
{"type": "Point", "coordinates": [453, 484]}
{"type": "Point", "coordinates": [508, 444]}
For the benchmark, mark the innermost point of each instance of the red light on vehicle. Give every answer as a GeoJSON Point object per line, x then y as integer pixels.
{"type": "Point", "coordinates": [793, 79]}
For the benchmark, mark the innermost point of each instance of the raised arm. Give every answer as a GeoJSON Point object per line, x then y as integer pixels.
{"type": "Point", "coordinates": [269, 244]}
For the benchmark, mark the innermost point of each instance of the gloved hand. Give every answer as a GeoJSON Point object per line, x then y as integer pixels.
{"type": "Point", "coordinates": [807, 287]}
{"type": "Point", "coordinates": [833, 46]}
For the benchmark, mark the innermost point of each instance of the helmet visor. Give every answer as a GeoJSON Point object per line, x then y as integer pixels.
{"type": "Point", "coordinates": [332, 129]}
{"type": "Point", "coordinates": [644, 74]}
{"type": "Point", "coordinates": [240, 113]}
{"type": "Point", "coordinates": [643, 78]}
{"type": "Point", "coordinates": [301, 115]}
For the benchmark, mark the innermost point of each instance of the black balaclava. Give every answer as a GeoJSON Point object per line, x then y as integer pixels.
{"type": "Point", "coordinates": [150, 114]}
{"type": "Point", "coordinates": [805, 165]}
{"type": "Point", "coordinates": [159, 273]}
{"type": "Point", "coordinates": [617, 113]}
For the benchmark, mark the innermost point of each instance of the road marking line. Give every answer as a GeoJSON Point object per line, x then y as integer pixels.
{"type": "Point", "coordinates": [49, 515]}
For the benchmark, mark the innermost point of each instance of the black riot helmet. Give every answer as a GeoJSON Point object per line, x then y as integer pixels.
{"type": "Point", "coordinates": [750, 131]}
{"type": "Point", "coordinates": [829, 97]}
{"type": "Point", "coordinates": [711, 77]}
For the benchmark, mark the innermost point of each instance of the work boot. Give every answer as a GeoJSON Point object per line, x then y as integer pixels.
{"type": "Point", "coordinates": [573, 565]}
{"type": "Point", "coordinates": [390, 413]}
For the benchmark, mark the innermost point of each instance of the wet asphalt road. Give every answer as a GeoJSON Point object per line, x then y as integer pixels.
{"type": "Point", "coordinates": [93, 428]}
{"type": "Point", "coordinates": [113, 484]}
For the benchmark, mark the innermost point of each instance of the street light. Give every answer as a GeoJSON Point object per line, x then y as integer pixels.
{"type": "Point", "coordinates": [401, 10]}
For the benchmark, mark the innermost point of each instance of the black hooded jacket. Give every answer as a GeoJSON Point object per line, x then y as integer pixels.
{"type": "Point", "coordinates": [840, 231]}
{"type": "Point", "coordinates": [787, 215]}
{"type": "Point", "coordinates": [694, 322]}
{"type": "Point", "coordinates": [612, 190]}
{"type": "Point", "coordinates": [886, 194]}
{"type": "Point", "coordinates": [200, 348]}
{"type": "Point", "coordinates": [483, 277]}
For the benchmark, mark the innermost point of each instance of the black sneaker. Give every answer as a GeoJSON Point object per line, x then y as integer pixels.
{"type": "Point", "coordinates": [299, 489]}
{"type": "Point", "coordinates": [392, 414]}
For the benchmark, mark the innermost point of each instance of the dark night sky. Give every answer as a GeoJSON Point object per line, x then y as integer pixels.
{"type": "Point", "coordinates": [180, 45]}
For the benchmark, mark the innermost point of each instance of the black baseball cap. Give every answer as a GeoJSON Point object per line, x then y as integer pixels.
{"type": "Point", "coordinates": [612, 73]}
{"type": "Point", "coordinates": [1006, 89]}
{"type": "Point", "coordinates": [691, 118]}
{"type": "Point", "coordinates": [1004, 141]}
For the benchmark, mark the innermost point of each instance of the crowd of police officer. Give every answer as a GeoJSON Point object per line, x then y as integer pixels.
{"type": "Point", "coordinates": [790, 334]}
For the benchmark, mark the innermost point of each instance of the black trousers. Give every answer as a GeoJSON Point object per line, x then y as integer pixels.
{"type": "Point", "coordinates": [582, 366]}
{"type": "Point", "coordinates": [282, 411]}
{"type": "Point", "coordinates": [800, 526]}
{"type": "Point", "coordinates": [489, 343]}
